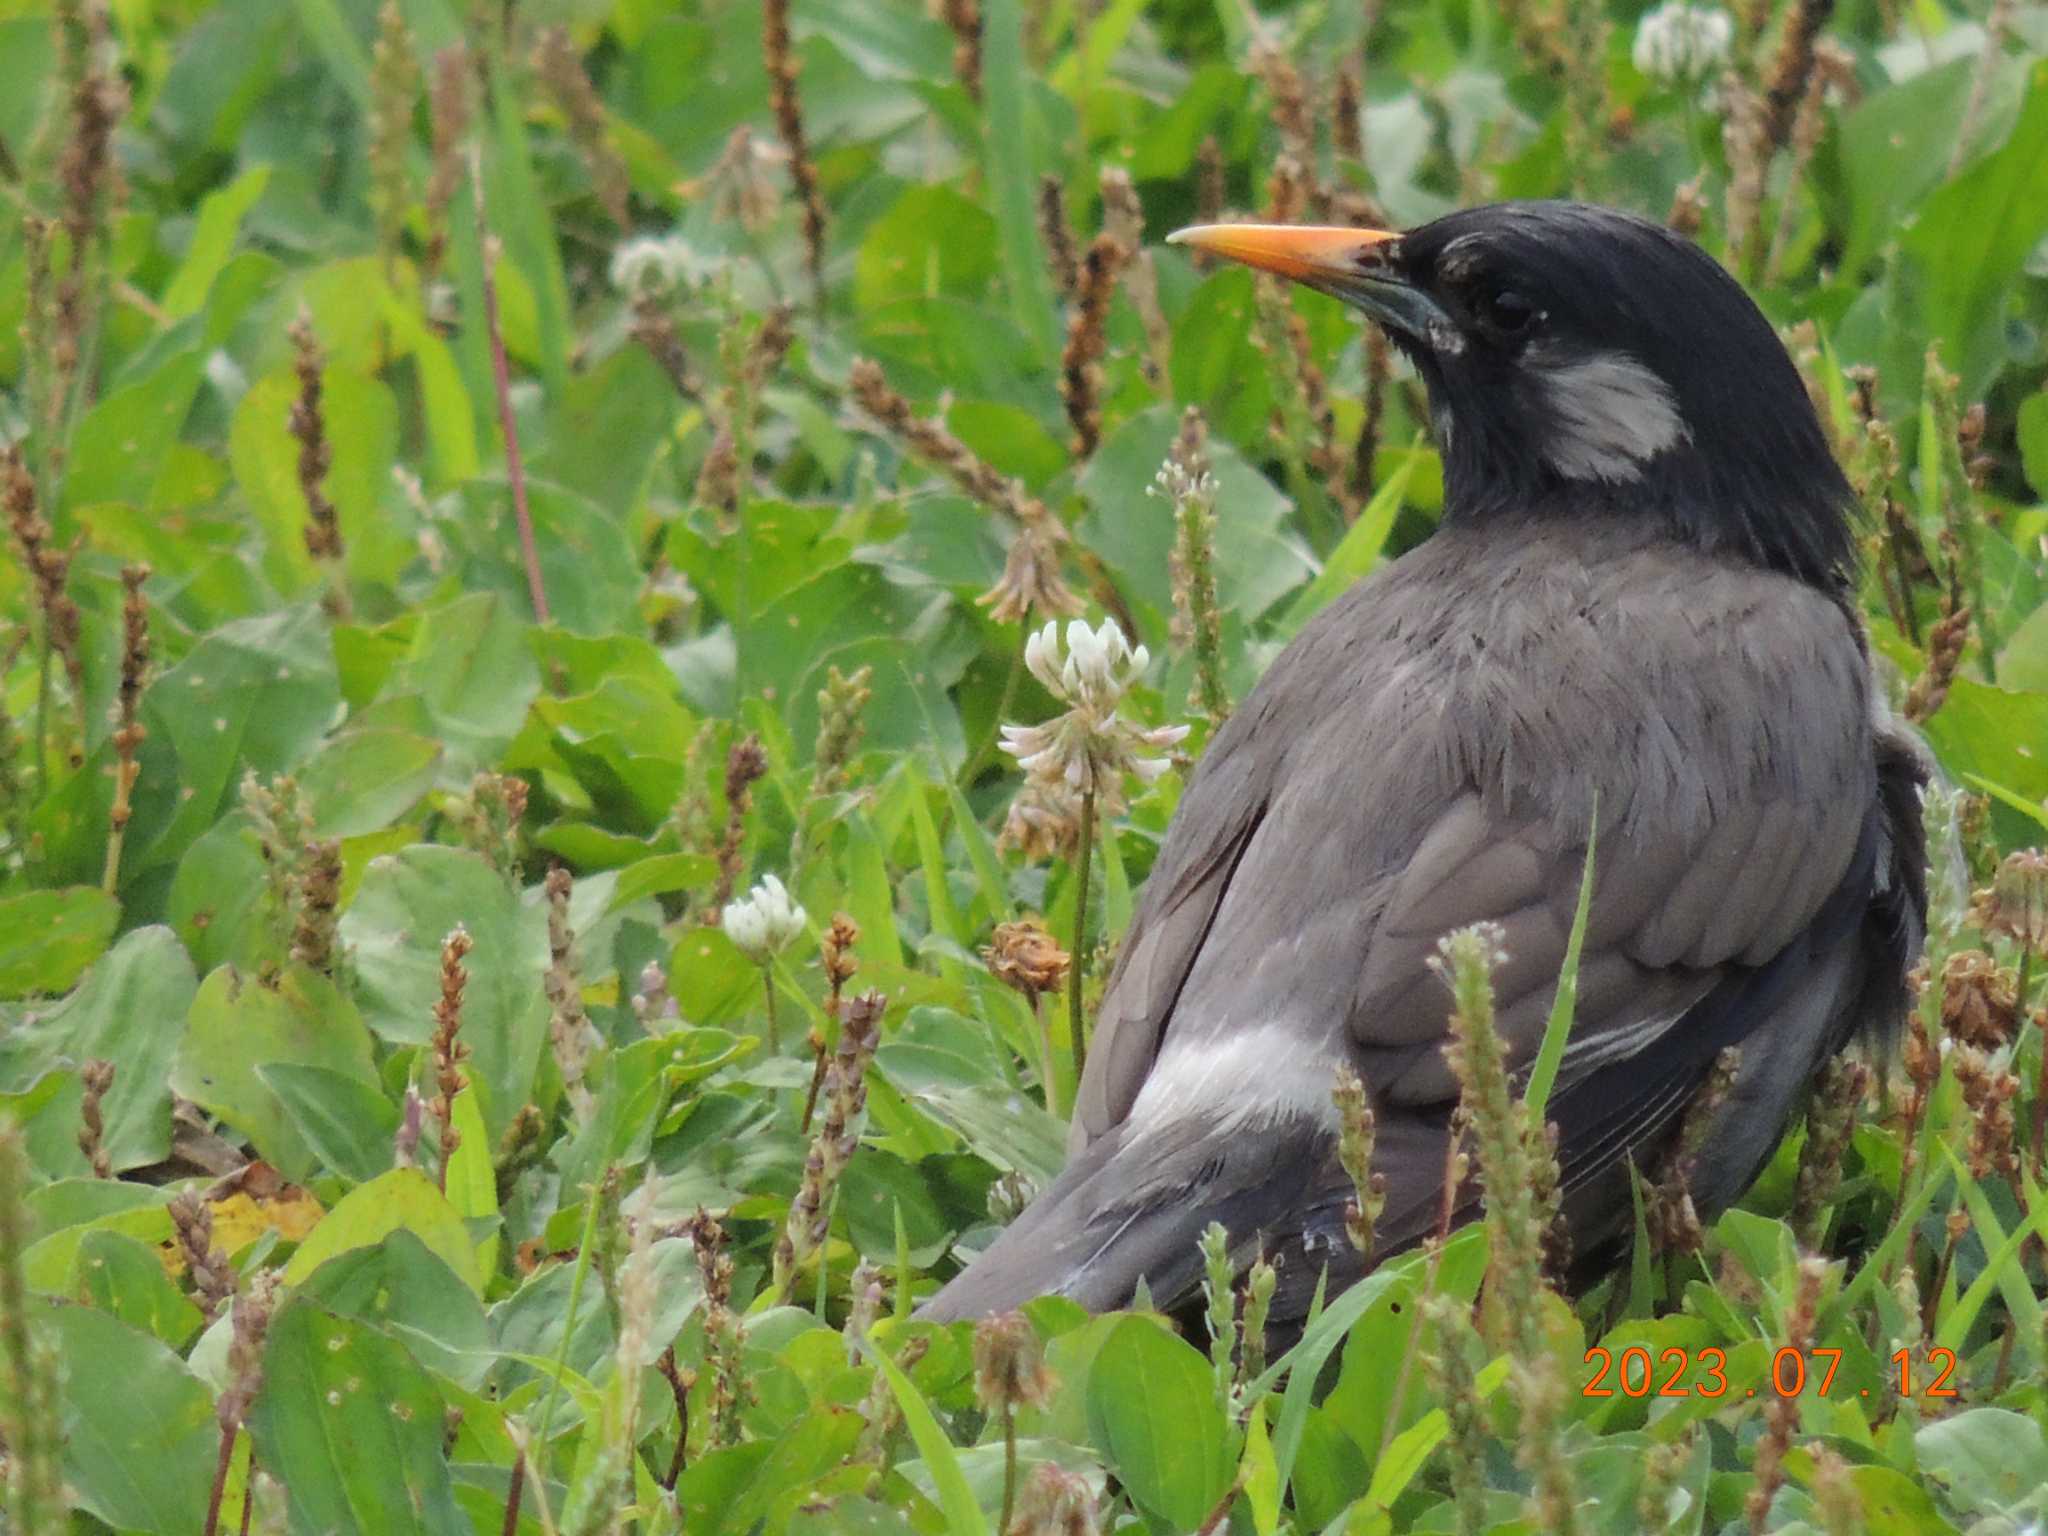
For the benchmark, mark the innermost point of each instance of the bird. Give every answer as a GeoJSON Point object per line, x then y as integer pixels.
{"type": "Point", "coordinates": [1636, 627]}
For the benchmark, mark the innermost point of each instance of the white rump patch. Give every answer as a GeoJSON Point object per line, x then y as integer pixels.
{"type": "Point", "coordinates": [1255, 1075]}
{"type": "Point", "coordinates": [1605, 415]}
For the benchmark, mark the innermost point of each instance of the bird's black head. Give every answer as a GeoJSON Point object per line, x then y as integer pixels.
{"type": "Point", "coordinates": [1576, 353]}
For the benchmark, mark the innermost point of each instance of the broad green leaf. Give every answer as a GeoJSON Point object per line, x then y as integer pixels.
{"type": "Point", "coordinates": [122, 442]}
{"type": "Point", "coordinates": [238, 1024]}
{"type": "Point", "coordinates": [933, 241]}
{"type": "Point", "coordinates": [1987, 1458]}
{"type": "Point", "coordinates": [2033, 436]}
{"type": "Point", "coordinates": [124, 1277]}
{"type": "Point", "coordinates": [403, 1287]}
{"type": "Point", "coordinates": [406, 906]}
{"type": "Point", "coordinates": [1974, 234]}
{"type": "Point", "coordinates": [345, 1119]}
{"type": "Point", "coordinates": [403, 1200]}
{"type": "Point", "coordinates": [353, 1428]}
{"type": "Point", "coordinates": [48, 938]}
{"type": "Point", "coordinates": [138, 1428]}
{"type": "Point", "coordinates": [213, 240]}
{"type": "Point", "coordinates": [255, 694]}
{"type": "Point", "coordinates": [363, 780]}
{"type": "Point", "coordinates": [361, 417]}
{"type": "Point", "coordinates": [130, 1011]}
{"type": "Point", "coordinates": [1153, 1413]}
{"type": "Point", "coordinates": [470, 665]}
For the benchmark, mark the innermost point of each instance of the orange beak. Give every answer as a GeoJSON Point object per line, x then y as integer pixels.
{"type": "Point", "coordinates": [1308, 253]}
{"type": "Point", "coordinates": [1354, 265]}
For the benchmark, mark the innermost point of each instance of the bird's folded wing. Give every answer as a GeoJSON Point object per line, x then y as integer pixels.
{"type": "Point", "coordinates": [1678, 909]}
{"type": "Point", "coordinates": [1674, 914]}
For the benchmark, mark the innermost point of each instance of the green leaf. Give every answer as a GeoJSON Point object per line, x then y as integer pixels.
{"type": "Point", "coordinates": [137, 1426]}
{"type": "Point", "coordinates": [347, 1121]}
{"type": "Point", "coordinates": [1357, 552]}
{"type": "Point", "coordinates": [1558, 1027]}
{"type": "Point", "coordinates": [255, 694]}
{"type": "Point", "coordinates": [121, 1276]}
{"type": "Point", "coordinates": [1987, 1458]}
{"type": "Point", "coordinates": [129, 1010]}
{"type": "Point", "coordinates": [933, 241]}
{"type": "Point", "coordinates": [1153, 1413]}
{"type": "Point", "coordinates": [362, 421]}
{"type": "Point", "coordinates": [238, 1024]}
{"type": "Point", "coordinates": [1012, 175]}
{"type": "Point", "coordinates": [213, 241]}
{"type": "Point", "coordinates": [1972, 238]}
{"type": "Point", "coordinates": [472, 1181]}
{"type": "Point", "coordinates": [407, 904]}
{"type": "Point", "coordinates": [408, 1291]}
{"type": "Point", "coordinates": [403, 1200]}
{"type": "Point", "coordinates": [963, 1515]}
{"type": "Point", "coordinates": [943, 1064]}
{"type": "Point", "coordinates": [2033, 436]}
{"type": "Point", "coordinates": [48, 938]}
{"type": "Point", "coordinates": [471, 665]}
{"type": "Point", "coordinates": [353, 1428]}
{"type": "Point", "coordinates": [1257, 560]}
{"type": "Point", "coordinates": [363, 780]}
{"type": "Point", "coordinates": [122, 442]}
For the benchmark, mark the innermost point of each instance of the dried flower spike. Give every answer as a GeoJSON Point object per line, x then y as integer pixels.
{"type": "Point", "coordinates": [1088, 338]}
{"type": "Point", "coordinates": [560, 68]}
{"type": "Point", "coordinates": [779, 53]}
{"type": "Point", "coordinates": [129, 731]}
{"type": "Point", "coordinates": [448, 1051]}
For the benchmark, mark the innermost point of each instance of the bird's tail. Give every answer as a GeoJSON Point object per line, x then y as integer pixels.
{"type": "Point", "coordinates": [1131, 1207]}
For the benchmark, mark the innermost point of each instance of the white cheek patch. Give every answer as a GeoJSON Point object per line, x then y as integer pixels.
{"type": "Point", "coordinates": [1604, 416]}
{"type": "Point", "coordinates": [1252, 1076]}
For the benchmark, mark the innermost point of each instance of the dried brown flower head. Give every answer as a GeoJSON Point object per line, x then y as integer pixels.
{"type": "Point", "coordinates": [1023, 955]}
{"type": "Point", "coordinates": [1980, 1002]}
{"type": "Point", "coordinates": [1009, 1364]}
{"type": "Point", "coordinates": [1044, 821]}
{"type": "Point", "coordinates": [2015, 904]}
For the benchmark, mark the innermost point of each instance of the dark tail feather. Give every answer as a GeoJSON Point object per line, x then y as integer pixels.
{"type": "Point", "coordinates": [1133, 1207]}
{"type": "Point", "coordinates": [1043, 1252]}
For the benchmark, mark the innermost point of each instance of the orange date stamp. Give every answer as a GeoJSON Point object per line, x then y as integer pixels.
{"type": "Point", "coordinates": [1676, 1372]}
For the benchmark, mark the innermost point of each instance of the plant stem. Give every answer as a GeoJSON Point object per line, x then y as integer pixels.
{"type": "Point", "coordinates": [221, 1465]}
{"type": "Point", "coordinates": [1045, 1066]}
{"type": "Point", "coordinates": [1081, 861]}
{"type": "Point", "coordinates": [774, 1029]}
{"type": "Point", "coordinates": [1009, 1466]}
{"type": "Point", "coordinates": [512, 1496]}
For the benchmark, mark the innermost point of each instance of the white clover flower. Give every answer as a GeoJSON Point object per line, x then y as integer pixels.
{"type": "Point", "coordinates": [1680, 42]}
{"type": "Point", "coordinates": [764, 922]}
{"type": "Point", "coordinates": [650, 264]}
{"type": "Point", "coordinates": [1091, 747]}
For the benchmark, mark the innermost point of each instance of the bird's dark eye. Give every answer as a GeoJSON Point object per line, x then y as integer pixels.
{"type": "Point", "coordinates": [1508, 312]}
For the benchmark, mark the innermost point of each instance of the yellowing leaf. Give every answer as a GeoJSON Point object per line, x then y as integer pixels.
{"type": "Point", "coordinates": [403, 1199]}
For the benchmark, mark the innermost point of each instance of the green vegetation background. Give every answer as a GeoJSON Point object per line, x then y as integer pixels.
{"type": "Point", "coordinates": [313, 708]}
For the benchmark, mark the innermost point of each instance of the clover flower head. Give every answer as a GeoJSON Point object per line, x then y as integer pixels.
{"type": "Point", "coordinates": [764, 922]}
{"type": "Point", "coordinates": [1679, 41]}
{"type": "Point", "coordinates": [651, 264]}
{"type": "Point", "coordinates": [1092, 746]}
